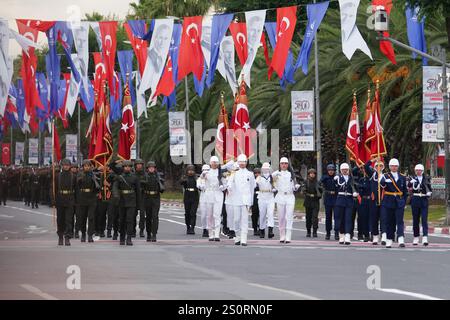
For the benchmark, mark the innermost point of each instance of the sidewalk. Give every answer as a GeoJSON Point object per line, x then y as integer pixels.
{"type": "Point", "coordinates": [298, 215]}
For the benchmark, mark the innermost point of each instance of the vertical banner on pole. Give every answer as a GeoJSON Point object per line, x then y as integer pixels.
{"type": "Point", "coordinates": [71, 147]}
{"type": "Point", "coordinates": [177, 134]}
{"type": "Point", "coordinates": [33, 151]}
{"type": "Point", "coordinates": [433, 112]}
{"type": "Point", "coordinates": [6, 154]}
{"type": "Point", "coordinates": [18, 158]}
{"type": "Point", "coordinates": [302, 103]}
{"type": "Point", "coordinates": [133, 152]}
{"type": "Point", "coordinates": [47, 150]}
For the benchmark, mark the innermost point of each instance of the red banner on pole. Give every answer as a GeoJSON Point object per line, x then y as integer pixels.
{"type": "Point", "coordinates": [6, 154]}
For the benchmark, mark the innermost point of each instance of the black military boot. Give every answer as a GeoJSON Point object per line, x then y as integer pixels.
{"type": "Point", "coordinates": [60, 241]}
{"type": "Point", "coordinates": [366, 239]}
{"type": "Point", "coordinates": [66, 241]}
{"type": "Point", "coordinates": [149, 238]}
{"type": "Point", "coordinates": [188, 230]}
{"type": "Point", "coordinates": [108, 234]}
{"type": "Point", "coordinates": [336, 235]}
{"type": "Point", "coordinates": [129, 243]}
{"type": "Point", "coordinates": [83, 237]}
{"type": "Point", "coordinates": [231, 234]}
{"type": "Point", "coordinates": [271, 235]}
{"type": "Point", "coordinates": [262, 233]}
{"type": "Point", "coordinates": [193, 230]}
{"type": "Point", "coordinates": [154, 238]}
{"type": "Point", "coordinates": [32, 206]}
{"type": "Point", "coordinates": [308, 233]}
{"type": "Point", "coordinates": [115, 235]}
{"type": "Point", "coordinates": [256, 232]}
{"type": "Point", "coordinates": [315, 233]}
{"type": "Point", "coordinates": [36, 206]}
{"type": "Point", "coordinates": [90, 239]}
{"type": "Point", "coordinates": [328, 236]}
{"type": "Point", "coordinates": [122, 240]}
{"type": "Point", "coordinates": [205, 233]}
{"type": "Point", "coordinates": [77, 235]}
{"type": "Point", "coordinates": [141, 233]}
{"type": "Point", "coordinates": [102, 234]}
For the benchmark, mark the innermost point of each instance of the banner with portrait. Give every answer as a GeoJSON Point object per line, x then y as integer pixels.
{"type": "Point", "coordinates": [302, 103]}
{"type": "Point", "coordinates": [47, 150]}
{"type": "Point", "coordinates": [71, 147]}
{"type": "Point", "coordinates": [33, 151]}
{"type": "Point", "coordinates": [433, 112]}
{"type": "Point", "coordinates": [18, 155]}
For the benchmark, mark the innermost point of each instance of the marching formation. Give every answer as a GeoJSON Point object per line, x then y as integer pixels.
{"type": "Point", "coordinates": [95, 200]}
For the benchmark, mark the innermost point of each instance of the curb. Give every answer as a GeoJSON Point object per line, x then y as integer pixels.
{"type": "Point", "coordinates": [302, 217]}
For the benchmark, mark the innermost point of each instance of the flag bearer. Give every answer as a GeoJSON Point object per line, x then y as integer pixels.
{"type": "Point", "coordinates": [329, 187]}
{"type": "Point", "coordinates": [202, 201]}
{"type": "Point", "coordinates": [266, 201]}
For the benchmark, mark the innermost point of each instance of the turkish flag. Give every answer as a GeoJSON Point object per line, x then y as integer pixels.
{"type": "Point", "coordinates": [108, 31]}
{"type": "Point", "coordinates": [385, 46]}
{"type": "Point", "coordinates": [99, 73]}
{"type": "Point", "coordinates": [38, 25]}
{"type": "Point", "coordinates": [378, 146]}
{"type": "Point", "coordinates": [238, 31]}
{"type": "Point", "coordinates": [353, 135]}
{"type": "Point", "coordinates": [286, 20]}
{"type": "Point", "coordinates": [266, 49]}
{"type": "Point", "coordinates": [240, 124]}
{"type": "Point", "coordinates": [221, 134]}
{"type": "Point", "coordinates": [139, 47]}
{"type": "Point", "coordinates": [103, 144]}
{"type": "Point", "coordinates": [166, 84]}
{"type": "Point", "coordinates": [127, 133]}
{"type": "Point", "coordinates": [6, 154]}
{"type": "Point", "coordinates": [368, 130]}
{"type": "Point", "coordinates": [191, 56]}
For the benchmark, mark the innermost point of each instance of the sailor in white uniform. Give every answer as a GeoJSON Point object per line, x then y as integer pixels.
{"type": "Point", "coordinates": [266, 200]}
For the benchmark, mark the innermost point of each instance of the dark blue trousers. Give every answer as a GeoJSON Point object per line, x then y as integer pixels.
{"type": "Point", "coordinates": [363, 218]}
{"type": "Point", "coordinates": [394, 219]}
{"type": "Point", "coordinates": [420, 213]}
{"type": "Point", "coordinates": [343, 215]}
{"type": "Point", "coordinates": [377, 219]}
{"type": "Point", "coordinates": [328, 218]}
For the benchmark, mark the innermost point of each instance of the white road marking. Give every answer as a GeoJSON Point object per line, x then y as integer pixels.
{"type": "Point", "coordinates": [294, 293]}
{"type": "Point", "coordinates": [5, 216]}
{"type": "Point", "coordinates": [408, 293]}
{"type": "Point", "coordinates": [38, 292]}
{"type": "Point", "coordinates": [7, 231]}
{"type": "Point", "coordinates": [30, 211]}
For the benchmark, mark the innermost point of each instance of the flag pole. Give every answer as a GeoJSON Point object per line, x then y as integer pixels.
{"type": "Point", "coordinates": [104, 156]}
{"type": "Point", "coordinates": [53, 173]}
{"type": "Point", "coordinates": [378, 143]}
{"type": "Point", "coordinates": [317, 109]}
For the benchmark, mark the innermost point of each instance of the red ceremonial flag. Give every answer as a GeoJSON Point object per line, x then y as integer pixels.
{"type": "Point", "coordinates": [241, 124]}
{"type": "Point", "coordinates": [221, 134]}
{"type": "Point", "coordinates": [127, 131]}
{"type": "Point", "coordinates": [378, 146]}
{"type": "Point", "coordinates": [100, 72]}
{"type": "Point", "coordinates": [368, 130]}
{"type": "Point", "coordinates": [353, 134]}
{"type": "Point", "coordinates": [6, 154]}
{"type": "Point", "coordinates": [166, 84]}
{"type": "Point", "coordinates": [104, 144]}
{"type": "Point", "coordinates": [385, 46]}
{"type": "Point", "coordinates": [56, 145]}
{"type": "Point", "coordinates": [39, 25]}
{"type": "Point", "coordinates": [190, 57]}
{"type": "Point", "coordinates": [139, 47]}
{"type": "Point", "coordinates": [286, 20]}
{"type": "Point", "coordinates": [238, 31]}
{"type": "Point", "coordinates": [108, 31]}
{"type": "Point", "coordinates": [266, 49]}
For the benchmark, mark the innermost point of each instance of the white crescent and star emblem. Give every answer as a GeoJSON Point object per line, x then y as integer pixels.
{"type": "Point", "coordinates": [108, 37]}
{"type": "Point", "coordinates": [219, 132]}
{"type": "Point", "coordinates": [189, 27]}
{"type": "Point", "coordinates": [288, 24]}
{"type": "Point", "coordinates": [125, 126]}
{"type": "Point", "coordinates": [29, 35]}
{"type": "Point", "coordinates": [352, 124]}
{"type": "Point", "coordinates": [242, 36]}
{"type": "Point", "coordinates": [238, 108]}
{"type": "Point", "coordinates": [5, 150]}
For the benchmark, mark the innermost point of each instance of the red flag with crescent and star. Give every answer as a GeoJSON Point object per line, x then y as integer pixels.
{"type": "Point", "coordinates": [104, 144]}
{"type": "Point", "coordinates": [221, 134]}
{"type": "Point", "coordinates": [238, 31]}
{"type": "Point", "coordinates": [139, 47]}
{"type": "Point", "coordinates": [377, 145]}
{"type": "Point", "coordinates": [166, 85]}
{"type": "Point", "coordinates": [190, 57]}
{"type": "Point", "coordinates": [240, 123]}
{"type": "Point", "coordinates": [108, 31]}
{"type": "Point", "coordinates": [127, 133]}
{"type": "Point", "coordinates": [6, 154]}
{"type": "Point", "coordinates": [286, 20]}
{"type": "Point", "coordinates": [354, 135]}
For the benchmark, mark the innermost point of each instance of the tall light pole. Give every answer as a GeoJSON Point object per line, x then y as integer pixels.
{"type": "Point", "coordinates": [317, 109]}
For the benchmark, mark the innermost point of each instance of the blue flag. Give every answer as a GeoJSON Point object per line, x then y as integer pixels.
{"type": "Point", "coordinates": [65, 37]}
{"type": "Point", "coordinates": [148, 35]}
{"type": "Point", "coordinates": [171, 101]}
{"type": "Point", "coordinates": [42, 115]}
{"type": "Point", "coordinates": [416, 32]}
{"type": "Point", "coordinates": [288, 74]}
{"type": "Point", "coordinates": [315, 13]}
{"type": "Point", "coordinates": [116, 105]}
{"type": "Point", "coordinates": [88, 103]}
{"type": "Point", "coordinates": [53, 69]}
{"type": "Point", "coordinates": [61, 93]}
{"type": "Point", "coordinates": [125, 58]}
{"type": "Point", "coordinates": [220, 24]}
{"type": "Point", "coordinates": [137, 28]}
{"type": "Point", "coordinates": [200, 85]}
{"type": "Point", "coordinates": [20, 102]}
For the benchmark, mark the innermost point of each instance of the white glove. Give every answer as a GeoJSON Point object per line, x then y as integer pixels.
{"type": "Point", "coordinates": [296, 187]}
{"type": "Point", "coordinates": [336, 178]}
{"type": "Point", "coordinates": [413, 181]}
{"type": "Point", "coordinates": [355, 194]}
{"type": "Point", "coordinates": [388, 180]}
{"type": "Point", "coordinates": [222, 188]}
{"type": "Point", "coordinates": [429, 194]}
{"type": "Point", "coordinates": [274, 190]}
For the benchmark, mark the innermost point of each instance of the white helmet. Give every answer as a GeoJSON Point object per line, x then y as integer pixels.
{"type": "Point", "coordinates": [419, 167]}
{"type": "Point", "coordinates": [242, 158]}
{"type": "Point", "coordinates": [213, 159]}
{"type": "Point", "coordinates": [205, 167]}
{"type": "Point", "coordinates": [284, 160]}
{"type": "Point", "coordinates": [394, 162]}
{"type": "Point", "coordinates": [265, 165]}
{"type": "Point", "coordinates": [344, 166]}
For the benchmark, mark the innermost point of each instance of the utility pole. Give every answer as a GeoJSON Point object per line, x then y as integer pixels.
{"type": "Point", "coordinates": [79, 135]}
{"type": "Point", "coordinates": [188, 128]}
{"type": "Point", "coordinates": [317, 109]}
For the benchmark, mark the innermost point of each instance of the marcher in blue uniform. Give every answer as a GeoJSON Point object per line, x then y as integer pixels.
{"type": "Point", "coordinates": [394, 201]}
{"type": "Point", "coordinates": [377, 219]}
{"type": "Point", "coordinates": [344, 203]}
{"type": "Point", "coordinates": [363, 202]}
{"type": "Point", "coordinates": [421, 188]}
{"type": "Point", "coordinates": [329, 201]}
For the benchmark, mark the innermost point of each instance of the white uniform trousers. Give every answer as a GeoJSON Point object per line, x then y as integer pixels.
{"type": "Point", "coordinates": [203, 215]}
{"type": "Point", "coordinates": [266, 209]}
{"type": "Point", "coordinates": [285, 218]}
{"type": "Point", "coordinates": [214, 210]}
{"type": "Point", "coordinates": [230, 216]}
{"type": "Point", "coordinates": [241, 223]}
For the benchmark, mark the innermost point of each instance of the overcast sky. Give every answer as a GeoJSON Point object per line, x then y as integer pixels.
{"type": "Point", "coordinates": [57, 10]}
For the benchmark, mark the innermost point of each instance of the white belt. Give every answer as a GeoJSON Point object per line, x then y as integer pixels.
{"type": "Point", "coordinates": [344, 194]}
{"type": "Point", "coordinates": [285, 193]}
{"type": "Point", "coordinates": [419, 195]}
{"type": "Point", "coordinates": [265, 190]}
{"type": "Point", "coordinates": [212, 189]}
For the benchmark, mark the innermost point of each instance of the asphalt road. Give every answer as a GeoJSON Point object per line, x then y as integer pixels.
{"type": "Point", "coordinates": [181, 266]}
